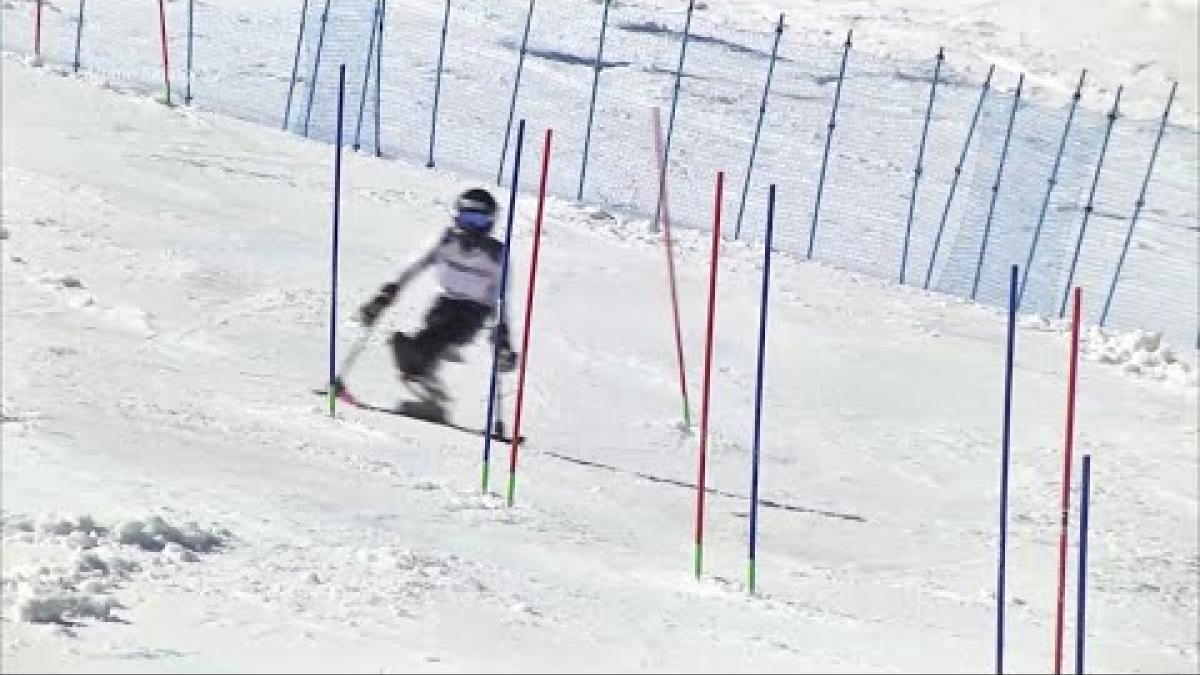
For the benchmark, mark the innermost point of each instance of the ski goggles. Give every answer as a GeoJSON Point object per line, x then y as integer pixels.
{"type": "Point", "coordinates": [474, 220]}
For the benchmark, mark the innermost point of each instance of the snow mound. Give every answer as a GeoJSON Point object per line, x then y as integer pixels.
{"type": "Point", "coordinates": [79, 589]}
{"type": "Point", "coordinates": [1139, 352]}
{"type": "Point", "coordinates": [97, 560]}
{"type": "Point", "coordinates": [38, 606]}
{"type": "Point", "coordinates": [155, 534]}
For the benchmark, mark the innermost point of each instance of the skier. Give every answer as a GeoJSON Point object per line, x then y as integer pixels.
{"type": "Point", "coordinates": [468, 261]}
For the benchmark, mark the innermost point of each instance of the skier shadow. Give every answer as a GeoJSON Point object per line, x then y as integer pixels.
{"type": "Point", "coordinates": [769, 503]}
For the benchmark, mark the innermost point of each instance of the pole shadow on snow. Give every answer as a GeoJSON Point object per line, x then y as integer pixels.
{"type": "Point", "coordinates": [769, 503]}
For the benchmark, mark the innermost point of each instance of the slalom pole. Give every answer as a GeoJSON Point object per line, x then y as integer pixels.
{"type": "Point", "coordinates": [762, 357]}
{"type": "Point", "coordinates": [1072, 378]}
{"type": "Point", "coordinates": [337, 199]}
{"type": "Point", "coordinates": [1004, 453]}
{"type": "Point", "coordinates": [492, 410]}
{"type": "Point", "coordinates": [162, 26]}
{"type": "Point", "coordinates": [537, 241]}
{"type": "Point", "coordinates": [708, 345]}
{"type": "Point", "coordinates": [666, 220]}
{"type": "Point", "coordinates": [1080, 614]}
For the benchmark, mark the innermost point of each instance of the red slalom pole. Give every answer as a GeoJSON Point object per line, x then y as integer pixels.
{"type": "Point", "coordinates": [533, 264]}
{"type": "Point", "coordinates": [666, 221]}
{"type": "Point", "coordinates": [37, 30]}
{"type": "Point", "coordinates": [162, 27]}
{"type": "Point", "coordinates": [1069, 445]}
{"type": "Point", "coordinates": [708, 344]}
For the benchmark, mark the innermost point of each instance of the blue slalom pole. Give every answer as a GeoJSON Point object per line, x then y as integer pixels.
{"type": "Point", "coordinates": [587, 136]}
{"type": "Point", "coordinates": [1050, 182]}
{"type": "Point", "coordinates": [379, 74]}
{"type": "Point", "coordinates": [762, 112]}
{"type": "Point", "coordinates": [362, 93]}
{"type": "Point", "coordinates": [512, 104]}
{"type": "Point", "coordinates": [758, 389]}
{"type": "Point", "coordinates": [1080, 605]}
{"type": "Point", "coordinates": [337, 199]}
{"type": "Point", "coordinates": [78, 37]}
{"type": "Point", "coordinates": [962, 158]}
{"type": "Point", "coordinates": [312, 83]}
{"type": "Point", "coordinates": [500, 309]}
{"type": "Point", "coordinates": [187, 92]}
{"type": "Point", "coordinates": [837, 95]}
{"type": "Point", "coordinates": [287, 110]}
{"type": "Point", "coordinates": [437, 85]}
{"type": "Point", "coordinates": [1004, 450]}
{"type": "Point", "coordinates": [920, 168]}
{"type": "Point", "coordinates": [666, 162]}
{"type": "Point", "coordinates": [1087, 210]}
{"type": "Point", "coordinates": [987, 226]}
{"type": "Point", "coordinates": [1137, 209]}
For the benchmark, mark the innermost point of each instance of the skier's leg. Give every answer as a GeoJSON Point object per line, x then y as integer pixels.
{"type": "Point", "coordinates": [450, 323]}
{"type": "Point", "coordinates": [408, 360]}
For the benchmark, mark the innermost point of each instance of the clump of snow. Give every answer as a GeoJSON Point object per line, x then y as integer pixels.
{"type": "Point", "coordinates": [155, 534]}
{"type": "Point", "coordinates": [39, 605]}
{"type": "Point", "coordinates": [16, 523]}
{"type": "Point", "coordinates": [102, 559]}
{"type": "Point", "coordinates": [1138, 352]}
{"type": "Point", "coordinates": [66, 527]}
{"type": "Point", "coordinates": [103, 564]}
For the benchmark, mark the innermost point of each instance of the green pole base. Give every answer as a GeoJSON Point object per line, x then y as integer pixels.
{"type": "Point", "coordinates": [699, 559]}
{"type": "Point", "coordinates": [752, 574]}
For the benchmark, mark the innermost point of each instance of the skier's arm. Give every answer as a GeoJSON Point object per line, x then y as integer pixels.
{"type": "Point", "coordinates": [387, 293]}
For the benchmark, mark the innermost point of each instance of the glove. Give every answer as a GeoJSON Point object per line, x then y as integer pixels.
{"type": "Point", "coordinates": [369, 313]}
{"type": "Point", "coordinates": [507, 361]}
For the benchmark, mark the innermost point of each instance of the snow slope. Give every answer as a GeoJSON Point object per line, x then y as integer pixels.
{"type": "Point", "coordinates": [164, 320]}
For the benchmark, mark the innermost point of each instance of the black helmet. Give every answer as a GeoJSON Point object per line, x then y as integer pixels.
{"type": "Point", "coordinates": [475, 210]}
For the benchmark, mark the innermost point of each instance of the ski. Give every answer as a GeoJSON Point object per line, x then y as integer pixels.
{"type": "Point", "coordinates": [348, 398]}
